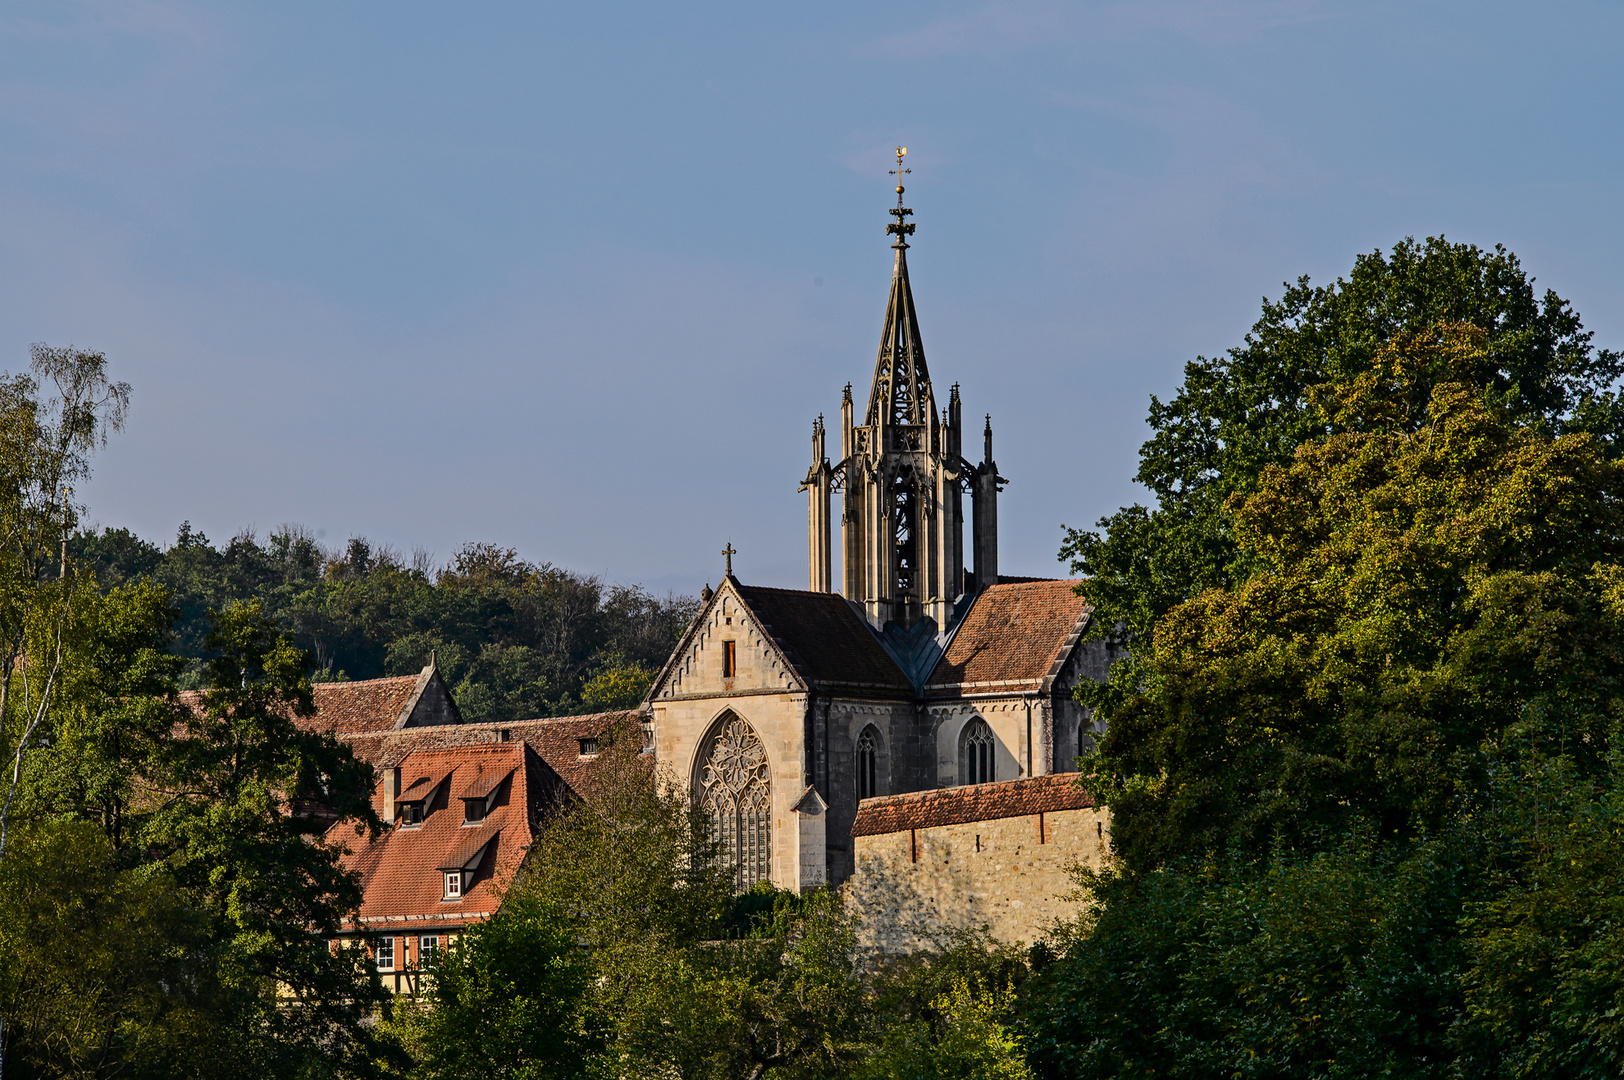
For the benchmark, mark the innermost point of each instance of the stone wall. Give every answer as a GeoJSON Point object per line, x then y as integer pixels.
{"type": "Point", "coordinates": [1008, 874]}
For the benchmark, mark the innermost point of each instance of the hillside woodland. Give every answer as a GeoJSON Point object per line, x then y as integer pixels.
{"type": "Point", "coordinates": [514, 640]}
{"type": "Point", "coordinates": [1365, 760]}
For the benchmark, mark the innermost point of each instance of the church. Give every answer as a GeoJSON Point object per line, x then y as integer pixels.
{"type": "Point", "coordinates": [925, 669]}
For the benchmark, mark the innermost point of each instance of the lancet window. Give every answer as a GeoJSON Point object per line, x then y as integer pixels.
{"type": "Point", "coordinates": [977, 753]}
{"type": "Point", "coordinates": [868, 760]}
{"type": "Point", "coordinates": [735, 792]}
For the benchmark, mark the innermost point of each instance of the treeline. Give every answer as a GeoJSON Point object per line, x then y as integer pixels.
{"type": "Point", "coordinates": [515, 640]}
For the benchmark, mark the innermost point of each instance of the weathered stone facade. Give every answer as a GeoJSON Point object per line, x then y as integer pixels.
{"type": "Point", "coordinates": [921, 875]}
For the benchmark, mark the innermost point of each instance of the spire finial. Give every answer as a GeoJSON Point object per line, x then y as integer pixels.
{"type": "Point", "coordinates": [728, 552]}
{"type": "Point", "coordinates": [899, 227]}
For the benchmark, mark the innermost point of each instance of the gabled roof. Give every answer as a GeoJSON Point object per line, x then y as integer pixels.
{"type": "Point", "coordinates": [365, 705]}
{"type": "Point", "coordinates": [829, 645]}
{"type": "Point", "coordinates": [1015, 638]}
{"type": "Point", "coordinates": [972, 802]}
{"type": "Point", "coordinates": [555, 740]}
{"type": "Point", "coordinates": [368, 705]}
{"type": "Point", "coordinates": [402, 872]}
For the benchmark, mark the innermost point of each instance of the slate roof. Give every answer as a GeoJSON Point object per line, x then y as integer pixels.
{"type": "Point", "coordinates": [402, 879]}
{"type": "Point", "coordinates": [972, 802]}
{"type": "Point", "coordinates": [827, 642]}
{"type": "Point", "coordinates": [1015, 637]}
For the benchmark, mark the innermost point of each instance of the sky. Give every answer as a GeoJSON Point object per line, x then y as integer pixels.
{"type": "Point", "coordinates": [577, 279]}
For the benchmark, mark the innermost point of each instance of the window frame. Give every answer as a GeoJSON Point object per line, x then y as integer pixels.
{"type": "Point", "coordinates": [384, 955]}
{"type": "Point", "coordinates": [453, 891]}
{"type": "Point", "coordinates": [730, 659]}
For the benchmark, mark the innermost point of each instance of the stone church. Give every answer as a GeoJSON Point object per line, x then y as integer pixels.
{"type": "Point", "coordinates": [784, 709]}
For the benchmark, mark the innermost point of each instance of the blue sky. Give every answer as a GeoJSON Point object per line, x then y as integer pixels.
{"type": "Point", "coordinates": [576, 279]}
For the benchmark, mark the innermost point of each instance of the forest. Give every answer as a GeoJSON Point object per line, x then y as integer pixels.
{"type": "Point", "coordinates": [515, 640]}
{"type": "Point", "coordinates": [1364, 759]}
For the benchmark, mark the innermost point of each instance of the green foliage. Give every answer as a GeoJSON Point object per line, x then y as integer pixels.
{"type": "Point", "coordinates": [1420, 580]}
{"type": "Point", "coordinates": [1361, 758]}
{"type": "Point", "coordinates": [508, 998]}
{"type": "Point", "coordinates": [1237, 414]}
{"type": "Point", "coordinates": [1341, 964]}
{"type": "Point", "coordinates": [98, 963]}
{"type": "Point", "coordinates": [513, 639]}
{"type": "Point", "coordinates": [970, 1039]}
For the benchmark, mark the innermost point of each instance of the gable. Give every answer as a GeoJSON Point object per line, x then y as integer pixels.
{"type": "Point", "coordinates": [698, 667]}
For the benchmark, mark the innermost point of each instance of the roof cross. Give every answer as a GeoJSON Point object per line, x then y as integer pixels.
{"type": "Point", "coordinates": [729, 553]}
{"type": "Point", "coordinates": [898, 227]}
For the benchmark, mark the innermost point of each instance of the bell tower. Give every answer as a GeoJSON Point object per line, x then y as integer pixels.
{"type": "Point", "coordinates": [903, 477]}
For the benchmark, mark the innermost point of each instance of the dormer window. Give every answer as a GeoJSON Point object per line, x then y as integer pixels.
{"type": "Point", "coordinates": [473, 811]}
{"type": "Point", "coordinates": [453, 884]}
{"type": "Point", "coordinates": [589, 747]}
{"type": "Point", "coordinates": [411, 813]}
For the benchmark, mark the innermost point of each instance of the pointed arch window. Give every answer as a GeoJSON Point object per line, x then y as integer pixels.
{"type": "Point", "coordinates": [977, 753]}
{"type": "Point", "coordinates": [868, 763]}
{"type": "Point", "coordinates": [735, 792]}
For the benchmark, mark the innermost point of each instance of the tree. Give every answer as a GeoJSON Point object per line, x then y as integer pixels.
{"type": "Point", "coordinates": [45, 448]}
{"type": "Point", "coordinates": [509, 998]}
{"type": "Point", "coordinates": [246, 796]}
{"type": "Point", "coordinates": [1417, 580]}
{"type": "Point", "coordinates": [1360, 794]}
{"type": "Point", "coordinates": [1239, 413]}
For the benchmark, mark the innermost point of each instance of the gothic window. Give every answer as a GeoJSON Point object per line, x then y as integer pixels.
{"type": "Point", "coordinates": [730, 659]}
{"type": "Point", "coordinates": [977, 749]}
{"type": "Point", "coordinates": [735, 793]}
{"type": "Point", "coordinates": [868, 757]}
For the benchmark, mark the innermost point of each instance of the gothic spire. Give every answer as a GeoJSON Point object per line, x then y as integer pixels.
{"type": "Point", "coordinates": [901, 391]}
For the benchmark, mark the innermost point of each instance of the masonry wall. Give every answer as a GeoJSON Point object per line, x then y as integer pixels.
{"type": "Point", "coordinates": [915, 886]}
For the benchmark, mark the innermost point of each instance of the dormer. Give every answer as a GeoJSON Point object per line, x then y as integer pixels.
{"type": "Point", "coordinates": [409, 804]}
{"type": "Point", "coordinates": [457, 872]}
{"type": "Point", "coordinates": [480, 797]}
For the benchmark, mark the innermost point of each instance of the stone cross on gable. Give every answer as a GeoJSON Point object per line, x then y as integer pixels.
{"type": "Point", "coordinates": [729, 552]}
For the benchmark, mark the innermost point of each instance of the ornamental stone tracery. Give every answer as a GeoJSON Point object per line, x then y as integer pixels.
{"type": "Point", "coordinates": [735, 791]}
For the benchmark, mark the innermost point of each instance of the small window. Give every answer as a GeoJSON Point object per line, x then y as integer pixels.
{"type": "Point", "coordinates": [427, 946]}
{"type": "Point", "coordinates": [977, 753]}
{"type": "Point", "coordinates": [730, 660]}
{"type": "Point", "coordinates": [386, 954]}
{"type": "Point", "coordinates": [412, 814]}
{"type": "Point", "coordinates": [453, 884]}
{"type": "Point", "coordinates": [473, 811]}
{"type": "Point", "coordinates": [589, 747]}
{"type": "Point", "coordinates": [867, 764]}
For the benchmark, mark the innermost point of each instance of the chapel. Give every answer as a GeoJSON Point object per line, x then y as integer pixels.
{"type": "Point", "coordinates": [782, 709]}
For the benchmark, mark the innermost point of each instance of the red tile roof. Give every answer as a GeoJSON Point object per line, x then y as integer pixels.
{"type": "Point", "coordinates": [349, 708]}
{"type": "Point", "coordinates": [402, 872]}
{"type": "Point", "coordinates": [828, 643]}
{"type": "Point", "coordinates": [557, 740]}
{"type": "Point", "coordinates": [1014, 637]}
{"type": "Point", "coordinates": [973, 802]}
{"type": "Point", "coordinates": [369, 705]}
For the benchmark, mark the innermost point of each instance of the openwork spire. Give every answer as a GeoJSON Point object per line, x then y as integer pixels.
{"type": "Point", "coordinates": [901, 391]}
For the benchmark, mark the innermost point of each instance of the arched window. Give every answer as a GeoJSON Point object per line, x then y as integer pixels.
{"type": "Point", "coordinates": [977, 747]}
{"type": "Point", "coordinates": [868, 760]}
{"type": "Point", "coordinates": [735, 792]}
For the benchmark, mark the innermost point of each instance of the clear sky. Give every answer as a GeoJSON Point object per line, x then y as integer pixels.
{"type": "Point", "coordinates": [577, 278]}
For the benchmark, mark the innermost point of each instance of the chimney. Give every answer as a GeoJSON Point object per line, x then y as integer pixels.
{"type": "Point", "coordinates": [391, 792]}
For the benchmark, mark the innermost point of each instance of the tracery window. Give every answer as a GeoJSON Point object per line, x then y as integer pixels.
{"type": "Point", "coordinates": [977, 753]}
{"type": "Point", "coordinates": [868, 755]}
{"type": "Point", "coordinates": [735, 793]}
